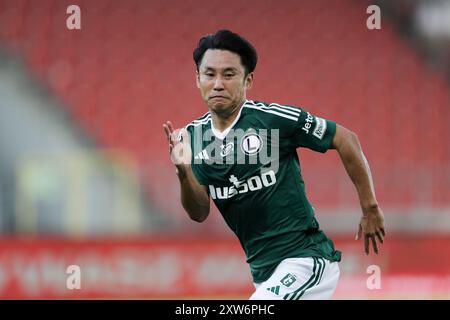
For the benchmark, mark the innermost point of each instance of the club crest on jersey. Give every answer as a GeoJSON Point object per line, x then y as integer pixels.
{"type": "Point", "coordinates": [251, 143]}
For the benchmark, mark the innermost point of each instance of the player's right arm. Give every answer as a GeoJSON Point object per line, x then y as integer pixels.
{"type": "Point", "coordinates": [194, 196]}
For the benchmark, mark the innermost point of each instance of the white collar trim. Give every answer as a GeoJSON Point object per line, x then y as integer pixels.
{"type": "Point", "coordinates": [223, 134]}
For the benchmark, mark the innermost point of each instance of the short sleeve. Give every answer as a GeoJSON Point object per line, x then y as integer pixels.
{"type": "Point", "coordinates": [313, 132]}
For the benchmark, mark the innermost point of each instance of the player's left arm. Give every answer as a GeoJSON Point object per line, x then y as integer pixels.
{"type": "Point", "coordinates": [371, 225]}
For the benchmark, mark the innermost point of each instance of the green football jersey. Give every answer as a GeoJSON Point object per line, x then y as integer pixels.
{"type": "Point", "coordinates": [252, 173]}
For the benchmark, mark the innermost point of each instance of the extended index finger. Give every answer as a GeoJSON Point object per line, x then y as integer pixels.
{"type": "Point", "coordinates": [170, 126]}
{"type": "Point", "coordinates": [174, 134]}
{"type": "Point", "coordinates": [166, 131]}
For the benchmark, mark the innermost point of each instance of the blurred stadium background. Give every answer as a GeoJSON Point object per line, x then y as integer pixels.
{"type": "Point", "coordinates": [85, 176]}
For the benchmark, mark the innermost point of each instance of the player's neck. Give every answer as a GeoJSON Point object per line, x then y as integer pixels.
{"type": "Point", "coordinates": [221, 122]}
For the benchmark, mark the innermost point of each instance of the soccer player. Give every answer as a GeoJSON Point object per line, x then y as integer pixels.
{"type": "Point", "coordinates": [242, 154]}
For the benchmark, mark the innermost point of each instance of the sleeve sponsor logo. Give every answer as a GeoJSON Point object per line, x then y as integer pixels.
{"type": "Point", "coordinates": [321, 127]}
{"type": "Point", "coordinates": [308, 122]}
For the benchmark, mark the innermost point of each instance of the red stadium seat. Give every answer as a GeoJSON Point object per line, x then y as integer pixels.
{"type": "Point", "coordinates": [131, 70]}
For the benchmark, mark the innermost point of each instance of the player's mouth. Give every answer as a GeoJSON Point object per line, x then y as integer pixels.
{"type": "Point", "coordinates": [218, 97]}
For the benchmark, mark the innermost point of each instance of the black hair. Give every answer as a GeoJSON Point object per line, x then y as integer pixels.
{"type": "Point", "coordinates": [227, 40]}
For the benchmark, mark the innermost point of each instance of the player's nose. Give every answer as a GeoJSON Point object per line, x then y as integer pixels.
{"type": "Point", "coordinates": [218, 84]}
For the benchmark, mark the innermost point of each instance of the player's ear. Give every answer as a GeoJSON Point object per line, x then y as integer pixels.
{"type": "Point", "coordinates": [249, 81]}
{"type": "Point", "coordinates": [197, 78]}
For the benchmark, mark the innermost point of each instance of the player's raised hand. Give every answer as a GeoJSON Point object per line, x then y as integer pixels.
{"type": "Point", "coordinates": [371, 227]}
{"type": "Point", "coordinates": [179, 144]}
